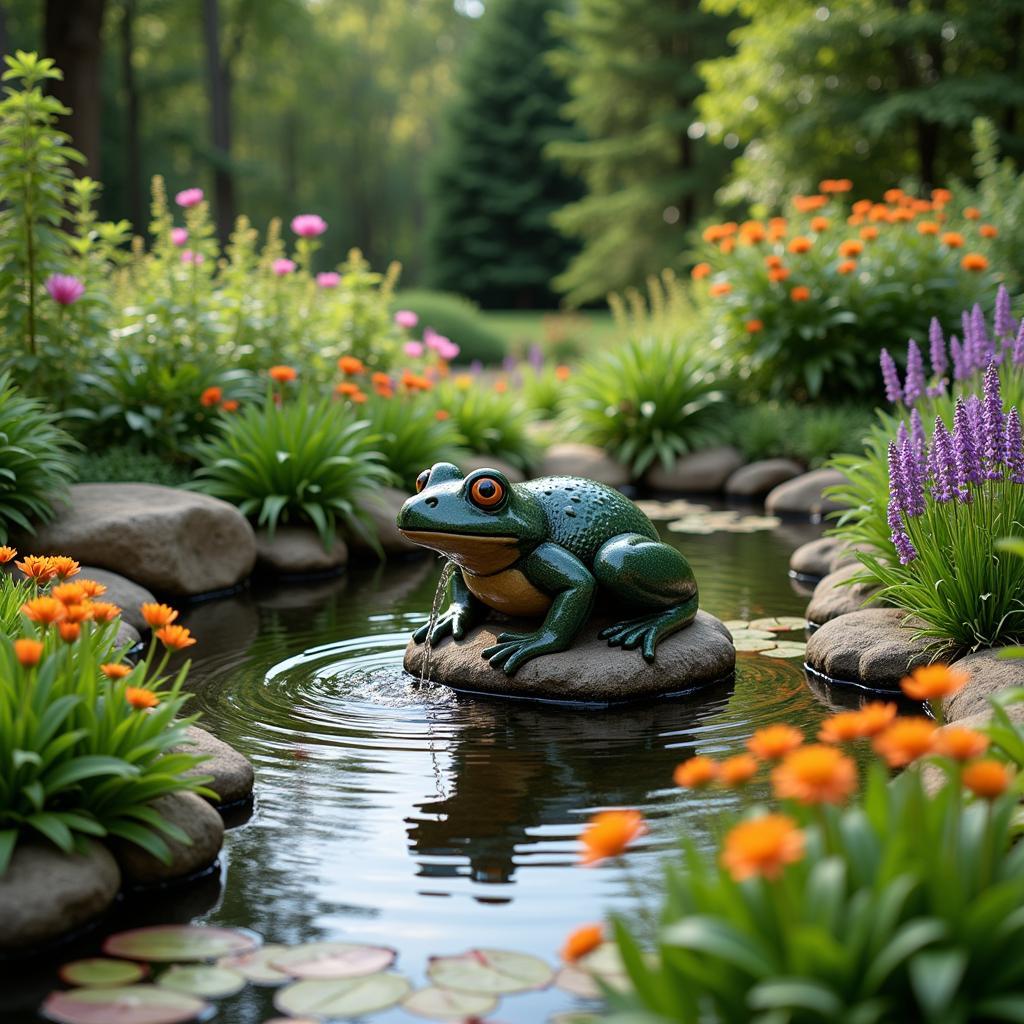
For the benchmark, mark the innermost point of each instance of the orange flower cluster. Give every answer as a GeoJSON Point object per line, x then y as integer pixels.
{"type": "Point", "coordinates": [282, 374]}
{"type": "Point", "coordinates": [213, 397]}
{"type": "Point", "coordinates": [762, 847]}
{"type": "Point", "coordinates": [609, 834]}
{"type": "Point", "coordinates": [934, 682]}
{"type": "Point", "coordinates": [67, 604]}
{"type": "Point", "coordinates": [582, 941]}
{"type": "Point", "coordinates": [701, 771]}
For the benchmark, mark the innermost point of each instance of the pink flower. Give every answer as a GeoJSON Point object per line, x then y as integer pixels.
{"type": "Point", "coordinates": [434, 340]}
{"type": "Point", "coordinates": [188, 256]}
{"type": "Point", "coordinates": [179, 236]}
{"type": "Point", "coordinates": [282, 266]}
{"type": "Point", "coordinates": [448, 351]}
{"type": "Point", "coordinates": [189, 197]}
{"type": "Point", "coordinates": [64, 288]}
{"type": "Point", "coordinates": [413, 349]}
{"type": "Point", "coordinates": [309, 225]}
{"type": "Point", "coordinates": [328, 279]}
{"type": "Point", "coordinates": [406, 318]}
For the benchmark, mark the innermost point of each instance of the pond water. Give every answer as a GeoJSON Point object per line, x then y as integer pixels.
{"type": "Point", "coordinates": [406, 815]}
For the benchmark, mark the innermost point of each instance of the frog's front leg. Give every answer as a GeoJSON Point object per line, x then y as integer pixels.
{"type": "Point", "coordinates": [464, 612]}
{"type": "Point", "coordinates": [558, 572]}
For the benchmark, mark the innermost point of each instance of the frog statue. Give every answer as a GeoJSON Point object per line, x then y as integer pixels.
{"type": "Point", "coordinates": [548, 547]}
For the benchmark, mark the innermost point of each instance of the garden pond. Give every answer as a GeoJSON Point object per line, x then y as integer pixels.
{"type": "Point", "coordinates": [402, 814]}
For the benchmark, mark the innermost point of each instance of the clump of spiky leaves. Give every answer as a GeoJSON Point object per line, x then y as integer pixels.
{"type": "Point", "coordinates": [809, 433]}
{"type": "Point", "coordinates": [300, 459]}
{"type": "Point", "coordinates": [13, 594]}
{"type": "Point", "coordinates": [488, 421]}
{"type": "Point", "coordinates": [35, 466]}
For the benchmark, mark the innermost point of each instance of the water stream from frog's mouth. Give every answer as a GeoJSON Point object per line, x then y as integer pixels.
{"type": "Point", "coordinates": [447, 572]}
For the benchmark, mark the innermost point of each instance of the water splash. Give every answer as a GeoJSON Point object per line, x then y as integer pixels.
{"type": "Point", "coordinates": [435, 610]}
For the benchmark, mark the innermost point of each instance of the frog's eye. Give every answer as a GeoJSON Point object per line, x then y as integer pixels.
{"type": "Point", "coordinates": [421, 480]}
{"type": "Point", "coordinates": [486, 492]}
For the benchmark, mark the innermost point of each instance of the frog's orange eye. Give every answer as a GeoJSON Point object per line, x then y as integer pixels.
{"type": "Point", "coordinates": [421, 480]}
{"type": "Point", "coordinates": [486, 492]}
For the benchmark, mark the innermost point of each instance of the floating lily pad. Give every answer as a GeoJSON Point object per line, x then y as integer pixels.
{"type": "Point", "coordinates": [734, 624]}
{"type": "Point", "coordinates": [786, 650]}
{"type": "Point", "coordinates": [333, 960]}
{"type": "Point", "coordinates": [99, 972]}
{"type": "Point", "coordinates": [780, 624]}
{"type": "Point", "coordinates": [256, 966]}
{"type": "Point", "coordinates": [342, 997]}
{"type": "Point", "coordinates": [604, 963]}
{"type": "Point", "coordinates": [180, 943]}
{"type": "Point", "coordinates": [129, 1004]}
{"type": "Point", "coordinates": [754, 634]}
{"type": "Point", "coordinates": [753, 645]}
{"type": "Point", "coordinates": [447, 1004]}
{"type": "Point", "coordinates": [202, 980]}
{"type": "Point", "coordinates": [496, 971]}
{"type": "Point", "coordinates": [697, 526]}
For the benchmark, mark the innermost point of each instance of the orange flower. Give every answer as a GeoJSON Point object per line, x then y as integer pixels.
{"type": "Point", "coordinates": [44, 610]}
{"type": "Point", "coordinates": [752, 232]}
{"type": "Point", "coordinates": [230, 405]}
{"type": "Point", "coordinates": [815, 775]}
{"type": "Point", "coordinates": [801, 293]}
{"type": "Point", "coordinates": [720, 288]}
{"type": "Point", "coordinates": [501, 386]}
{"type": "Point", "coordinates": [77, 612]}
{"type": "Point", "coordinates": [359, 397]}
{"type": "Point", "coordinates": [737, 770]}
{"type": "Point", "coordinates": [157, 615]}
{"type": "Point", "coordinates": [727, 245]}
{"type": "Point", "coordinates": [754, 326]}
{"type": "Point", "coordinates": [773, 262]}
{"type": "Point", "coordinates": [932, 682]}
{"type": "Point", "coordinates": [37, 567]}
{"type": "Point", "coordinates": [140, 697]}
{"type": "Point", "coordinates": [762, 847]}
{"type": "Point", "coordinates": [350, 366]}
{"type": "Point", "coordinates": [116, 670]}
{"type": "Point", "coordinates": [346, 387]}
{"type": "Point", "coordinates": [903, 214]}
{"type": "Point", "coordinates": [69, 631]}
{"type": "Point", "coordinates": [89, 588]}
{"type": "Point", "coordinates": [862, 206]}
{"type": "Point", "coordinates": [876, 716]}
{"type": "Point", "coordinates": [878, 212]}
{"type": "Point", "coordinates": [442, 414]}
{"type": "Point", "coordinates": [905, 740]}
{"type": "Point", "coordinates": [64, 567]}
{"type": "Point", "coordinates": [6, 554]}
{"type": "Point", "coordinates": [381, 379]}
{"type": "Point", "coordinates": [851, 247]}
{"type": "Point", "coordinates": [869, 234]}
{"type": "Point", "coordinates": [843, 727]}
{"type": "Point", "coordinates": [953, 239]}
{"type": "Point", "coordinates": [609, 834]}
{"type": "Point", "coordinates": [562, 373]}
{"type": "Point", "coordinates": [835, 185]}
{"type": "Point", "coordinates": [808, 204]}
{"type": "Point", "coordinates": [383, 392]}
{"type": "Point", "coordinates": [69, 593]}
{"type": "Point", "coordinates": [941, 195]}
{"type": "Point", "coordinates": [972, 213]}
{"type": "Point", "coordinates": [974, 261]}
{"type": "Point", "coordinates": [927, 227]}
{"type": "Point", "coordinates": [582, 941]}
{"type": "Point", "coordinates": [28, 652]}
{"type": "Point", "coordinates": [893, 195]}
{"type": "Point", "coordinates": [855, 219]}
{"type": "Point", "coordinates": [211, 396]}
{"type": "Point", "coordinates": [104, 611]}
{"type": "Point", "coordinates": [801, 244]}
{"type": "Point", "coordinates": [713, 233]}
{"type": "Point", "coordinates": [177, 638]}
{"type": "Point", "coordinates": [700, 271]}
{"type": "Point", "coordinates": [846, 267]}
{"type": "Point", "coordinates": [819, 223]}
{"type": "Point", "coordinates": [774, 741]}
{"type": "Point", "coordinates": [988, 231]}
{"type": "Point", "coordinates": [778, 274]}
{"type": "Point", "coordinates": [282, 374]}
{"type": "Point", "coordinates": [696, 773]}
{"type": "Point", "coordinates": [959, 743]}
{"type": "Point", "coordinates": [987, 779]}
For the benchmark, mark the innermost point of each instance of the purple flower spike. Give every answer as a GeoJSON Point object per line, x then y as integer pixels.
{"type": "Point", "coordinates": [914, 386]}
{"type": "Point", "coordinates": [946, 483]}
{"type": "Point", "coordinates": [965, 445]}
{"type": "Point", "coordinates": [912, 473]}
{"type": "Point", "coordinates": [960, 367]}
{"type": "Point", "coordinates": [901, 434]}
{"type": "Point", "coordinates": [891, 378]}
{"type": "Point", "coordinates": [983, 346]}
{"type": "Point", "coordinates": [937, 348]}
{"type": "Point", "coordinates": [536, 357]}
{"type": "Point", "coordinates": [1018, 346]}
{"type": "Point", "coordinates": [1005, 325]}
{"type": "Point", "coordinates": [968, 333]}
{"type": "Point", "coordinates": [993, 427]}
{"type": "Point", "coordinates": [917, 432]}
{"type": "Point", "coordinates": [1014, 446]}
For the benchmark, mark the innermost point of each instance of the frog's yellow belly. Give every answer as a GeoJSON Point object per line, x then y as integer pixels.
{"type": "Point", "coordinates": [509, 592]}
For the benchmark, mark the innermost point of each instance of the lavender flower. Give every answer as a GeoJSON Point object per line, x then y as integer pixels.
{"type": "Point", "coordinates": [912, 475]}
{"type": "Point", "coordinates": [1014, 446]}
{"type": "Point", "coordinates": [914, 386]}
{"type": "Point", "coordinates": [937, 348]}
{"type": "Point", "coordinates": [917, 433]}
{"type": "Point", "coordinates": [1005, 325]}
{"type": "Point", "coordinates": [984, 349]}
{"type": "Point", "coordinates": [965, 445]}
{"type": "Point", "coordinates": [946, 482]}
{"type": "Point", "coordinates": [897, 495]}
{"type": "Point", "coordinates": [893, 389]}
{"type": "Point", "coordinates": [967, 334]}
{"type": "Point", "coordinates": [1018, 346]}
{"type": "Point", "coordinates": [535, 357]}
{"type": "Point", "coordinates": [960, 362]}
{"type": "Point", "coordinates": [901, 435]}
{"type": "Point", "coordinates": [993, 429]}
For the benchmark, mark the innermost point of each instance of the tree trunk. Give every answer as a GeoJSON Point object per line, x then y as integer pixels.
{"type": "Point", "coordinates": [72, 36]}
{"type": "Point", "coordinates": [133, 154]}
{"type": "Point", "coordinates": [218, 72]}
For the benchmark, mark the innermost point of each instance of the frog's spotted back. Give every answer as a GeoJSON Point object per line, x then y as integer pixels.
{"type": "Point", "coordinates": [583, 514]}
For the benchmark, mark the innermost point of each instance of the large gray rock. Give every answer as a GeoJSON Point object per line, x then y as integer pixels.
{"type": "Point", "coordinates": [698, 473]}
{"type": "Point", "coordinates": [760, 477]}
{"type": "Point", "coordinates": [586, 460]}
{"type": "Point", "coordinates": [590, 671]}
{"type": "Point", "coordinates": [172, 541]}
{"type": "Point", "coordinates": [874, 647]}
{"type": "Point", "coordinates": [803, 494]}
{"type": "Point", "coordinates": [45, 894]}
{"type": "Point", "coordinates": [989, 674]}
{"type": "Point", "coordinates": [467, 463]}
{"type": "Point", "coordinates": [382, 506]}
{"type": "Point", "coordinates": [198, 820]}
{"type": "Point", "coordinates": [835, 595]}
{"type": "Point", "coordinates": [298, 550]}
{"type": "Point", "coordinates": [127, 635]}
{"type": "Point", "coordinates": [232, 773]}
{"type": "Point", "coordinates": [816, 557]}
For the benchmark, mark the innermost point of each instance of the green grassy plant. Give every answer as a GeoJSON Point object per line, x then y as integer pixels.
{"type": "Point", "coordinates": [458, 319]}
{"type": "Point", "coordinates": [810, 434]}
{"type": "Point", "coordinates": [128, 463]}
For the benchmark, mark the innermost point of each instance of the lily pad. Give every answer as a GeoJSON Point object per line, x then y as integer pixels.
{"type": "Point", "coordinates": [496, 971]}
{"type": "Point", "coordinates": [99, 972]}
{"type": "Point", "coordinates": [786, 650]}
{"type": "Point", "coordinates": [180, 943]}
{"type": "Point", "coordinates": [202, 980]}
{"type": "Point", "coordinates": [753, 645]}
{"type": "Point", "coordinates": [128, 1004]}
{"type": "Point", "coordinates": [734, 624]}
{"type": "Point", "coordinates": [447, 1004]}
{"type": "Point", "coordinates": [333, 960]}
{"type": "Point", "coordinates": [604, 963]}
{"type": "Point", "coordinates": [342, 997]}
{"type": "Point", "coordinates": [754, 634]}
{"type": "Point", "coordinates": [256, 966]}
{"type": "Point", "coordinates": [780, 624]}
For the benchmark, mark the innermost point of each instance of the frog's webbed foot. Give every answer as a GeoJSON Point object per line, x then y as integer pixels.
{"type": "Point", "coordinates": [647, 631]}
{"type": "Point", "coordinates": [515, 649]}
{"type": "Point", "coordinates": [456, 622]}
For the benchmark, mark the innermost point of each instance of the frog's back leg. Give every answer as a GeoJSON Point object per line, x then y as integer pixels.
{"type": "Point", "coordinates": [646, 575]}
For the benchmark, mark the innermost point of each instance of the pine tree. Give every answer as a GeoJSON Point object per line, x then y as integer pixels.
{"type": "Point", "coordinates": [492, 189]}
{"type": "Point", "coordinates": [631, 67]}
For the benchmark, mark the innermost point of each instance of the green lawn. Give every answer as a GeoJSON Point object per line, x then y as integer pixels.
{"type": "Point", "coordinates": [559, 332]}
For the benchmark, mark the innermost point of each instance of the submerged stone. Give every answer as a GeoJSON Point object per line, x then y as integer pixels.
{"type": "Point", "coordinates": [697, 473]}
{"type": "Point", "coordinates": [803, 494]}
{"type": "Point", "coordinates": [298, 551]}
{"type": "Point", "coordinates": [232, 773]}
{"type": "Point", "coordinates": [757, 478]}
{"type": "Point", "coordinates": [816, 557]}
{"type": "Point", "coordinates": [590, 671]}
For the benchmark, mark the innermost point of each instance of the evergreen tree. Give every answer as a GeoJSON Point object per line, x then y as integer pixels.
{"type": "Point", "coordinates": [631, 67]}
{"type": "Point", "coordinates": [492, 188]}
